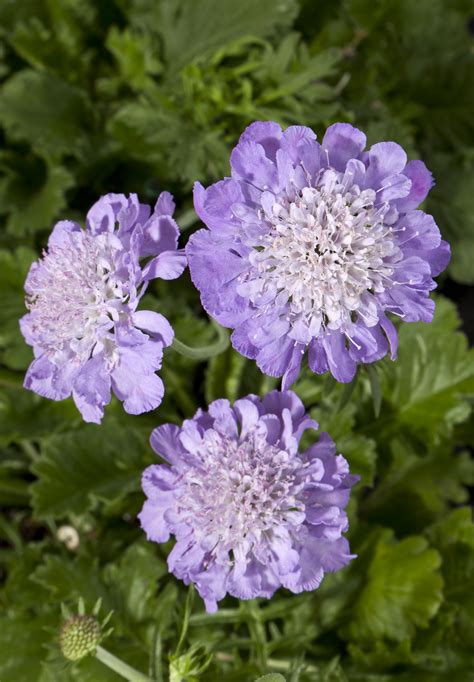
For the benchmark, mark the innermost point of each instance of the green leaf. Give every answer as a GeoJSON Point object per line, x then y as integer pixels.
{"type": "Point", "coordinates": [223, 376]}
{"type": "Point", "coordinates": [375, 388]}
{"type": "Point", "coordinates": [65, 579]}
{"type": "Point", "coordinates": [22, 641]}
{"type": "Point", "coordinates": [193, 29]}
{"type": "Point", "coordinates": [402, 592]}
{"type": "Point", "coordinates": [133, 582]}
{"type": "Point", "coordinates": [33, 207]}
{"type": "Point", "coordinates": [271, 677]}
{"type": "Point", "coordinates": [44, 111]}
{"type": "Point", "coordinates": [14, 267]}
{"type": "Point", "coordinates": [78, 469]}
{"type": "Point", "coordinates": [427, 396]}
{"type": "Point", "coordinates": [359, 450]}
{"type": "Point", "coordinates": [135, 56]}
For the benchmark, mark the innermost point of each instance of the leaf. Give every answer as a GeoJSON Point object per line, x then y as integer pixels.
{"type": "Point", "coordinates": [22, 639]}
{"type": "Point", "coordinates": [66, 579]}
{"type": "Point", "coordinates": [135, 56]}
{"type": "Point", "coordinates": [80, 468]}
{"type": "Point", "coordinates": [34, 207]}
{"type": "Point", "coordinates": [223, 376]}
{"type": "Point", "coordinates": [133, 582]}
{"type": "Point", "coordinates": [45, 111]}
{"type": "Point", "coordinates": [375, 388]}
{"type": "Point", "coordinates": [429, 397]}
{"type": "Point", "coordinates": [14, 267]}
{"type": "Point", "coordinates": [192, 29]}
{"type": "Point", "coordinates": [416, 489]}
{"type": "Point", "coordinates": [402, 592]}
{"type": "Point", "coordinates": [271, 677]}
{"type": "Point", "coordinates": [359, 450]}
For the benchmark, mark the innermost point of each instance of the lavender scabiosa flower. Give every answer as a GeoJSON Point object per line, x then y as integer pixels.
{"type": "Point", "coordinates": [87, 335]}
{"type": "Point", "coordinates": [249, 512]}
{"type": "Point", "coordinates": [310, 245]}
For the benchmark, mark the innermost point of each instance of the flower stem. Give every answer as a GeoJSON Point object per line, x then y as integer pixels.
{"type": "Point", "coordinates": [118, 666]}
{"type": "Point", "coordinates": [187, 613]}
{"type": "Point", "coordinates": [205, 352]}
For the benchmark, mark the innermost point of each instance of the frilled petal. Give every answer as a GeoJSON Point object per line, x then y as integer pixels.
{"type": "Point", "coordinates": [133, 378]}
{"type": "Point", "coordinates": [215, 273]}
{"type": "Point", "coordinates": [153, 523]}
{"type": "Point", "coordinates": [421, 183]}
{"type": "Point", "coordinates": [265, 133]}
{"type": "Point", "coordinates": [342, 143]}
{"type": "Point", "coordinates": [385, 159]}
{"type": "Point", "coordinates": [214, 204]}
{"type": "Point", "coordinates": [155, 324]}
{"type": "Point", "coordinates": [61, 232]}
{"type": "Point", "coordinates": [250, 163]}
{"type": "Point", "coordinates": [317, 358]}
{"type": "Point", "coordinates": [340, 362]}
{"type": "Point", "coordinates": [275, 357]}
{"type": "Point", "coordinates": [49, 380]}
{"type": "Point", "coordinates": [140, 393]}
{"type": "Point", "coordinates": [165, 205]}
{"type": "Point", "coordinates": [168, 265]}
{"type": "Point", "coordinates": [160, 233]}
{"type": "Point", "coordinates": [91, 389]}
{"type": "Point", "coordinates": [165, 441]}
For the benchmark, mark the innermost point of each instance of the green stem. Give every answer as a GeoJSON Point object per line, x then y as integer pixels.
{"type": "Point", "coordinates": [187, 614]}
{"type": "Point", "coordinates": [205, 352]}
{"type": "Point", "coordinates": [118, 666]}
{"type": "Point", "coordinates": [276, 664]}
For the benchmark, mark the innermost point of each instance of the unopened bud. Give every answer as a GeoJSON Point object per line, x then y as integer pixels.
{"type": "Point", "coordinates": [79, 637]}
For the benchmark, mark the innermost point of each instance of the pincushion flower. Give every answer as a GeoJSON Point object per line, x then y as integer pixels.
{"type": "Point", "coordinates": [310, 246]}
{"type": "Point", "coordinates": [88, 337]}
{"type": "Point", "coordinates": [248, 511]}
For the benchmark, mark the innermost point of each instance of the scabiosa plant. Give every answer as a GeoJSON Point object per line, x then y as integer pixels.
{"type": "Point", "coordinates": [248, 511]}
{"type": "Point", "coordinates": [87, 335]}
{"type": "Point", "coordinates": [310, 245]}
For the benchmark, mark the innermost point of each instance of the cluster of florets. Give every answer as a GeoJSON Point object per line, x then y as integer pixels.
{"type": "Point", "coordinates": [87, 334]}
{"type": "Point", "coordinates": [250, 513]}
{"type": "Point", "coordinates": [310, 245]}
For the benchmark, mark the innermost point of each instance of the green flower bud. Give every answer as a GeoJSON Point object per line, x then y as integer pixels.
{"type": "Point", "coordinates": [79, 637]}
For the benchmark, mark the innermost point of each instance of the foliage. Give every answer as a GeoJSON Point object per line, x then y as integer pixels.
{"type": "Point", "coordinates": [140, 95]}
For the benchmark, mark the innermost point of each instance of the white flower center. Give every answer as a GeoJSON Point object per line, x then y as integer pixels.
{"type": "Point", "coordinates": [240, 491]}
{"type": "Point", "coordinates": [74, 295]}
{"type": "Point", "coordinates": [325, 250]}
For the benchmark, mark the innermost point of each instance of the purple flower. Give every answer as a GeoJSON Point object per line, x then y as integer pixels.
{"type": "Point", "coordinates": [310, 245]}
{"type": "Point", "coordinates": [87, 335]}
{"type": "Point", "coordinates": [248, 511]}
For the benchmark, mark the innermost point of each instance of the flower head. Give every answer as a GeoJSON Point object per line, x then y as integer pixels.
{"type": "Point", "coordinates": [87, 335]}
{"type": "Point", "coordinates": [248, 511]}
{"type": "Point", "coordinates": [310, 245]}
{"type": "Point", "coordinates": [79, 637]}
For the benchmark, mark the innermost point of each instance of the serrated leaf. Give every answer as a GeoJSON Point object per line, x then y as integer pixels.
{"type": "Point", "coordinates": [44, 111]}
{"type": "Point", "coordinates": [192, 29]}
{"type": "Point", "coordinates": [402, 592]}
{"type": "Point", "coordinates": [34, 208]}
{"type": "Point", "coordinates": [429, 396]}
{"type": "Point", "coordinates": [66, 579]}
{"type": "Point", "coordinates": [80, 468]}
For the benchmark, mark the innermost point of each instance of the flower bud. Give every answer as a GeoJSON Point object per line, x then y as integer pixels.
{"type": "Point", "coordinates": [79, 637]}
